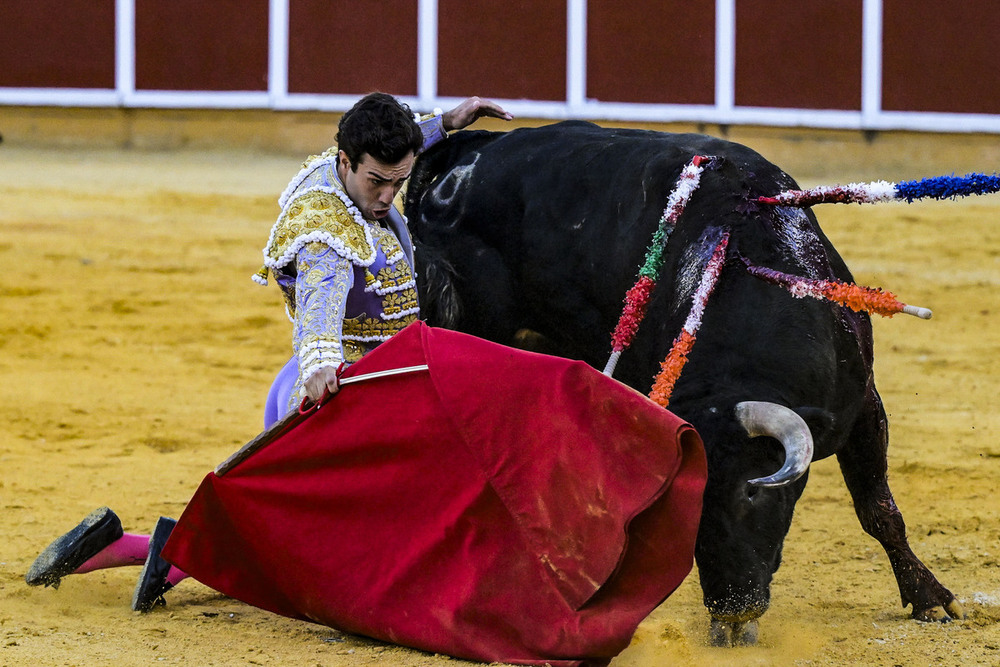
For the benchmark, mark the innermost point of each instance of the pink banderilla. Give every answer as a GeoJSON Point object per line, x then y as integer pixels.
{"type": "Point", "coordinates": [672, 366]}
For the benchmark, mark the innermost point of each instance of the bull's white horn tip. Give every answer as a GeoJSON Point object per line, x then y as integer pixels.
{"type": "Point", "coordinates": [773, 481]}
{"type": "Point", "coordinates": [916, 311]}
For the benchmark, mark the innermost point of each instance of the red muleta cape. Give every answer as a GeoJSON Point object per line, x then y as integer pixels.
{"type": "Point", "coordinates": [500, 506]}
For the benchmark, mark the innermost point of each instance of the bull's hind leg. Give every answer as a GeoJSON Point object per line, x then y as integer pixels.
{"type": "Point", "coordinates": [864, 466]}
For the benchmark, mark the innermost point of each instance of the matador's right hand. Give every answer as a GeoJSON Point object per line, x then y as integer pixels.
{"type": "Point", "coordinates": [322, 382]}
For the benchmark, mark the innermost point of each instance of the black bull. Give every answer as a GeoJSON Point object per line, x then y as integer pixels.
{"type": "Point", "coordinates": [542, 231]}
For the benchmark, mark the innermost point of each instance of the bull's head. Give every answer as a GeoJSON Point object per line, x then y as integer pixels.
{"type": "Point", "coordinates": [739, 546]}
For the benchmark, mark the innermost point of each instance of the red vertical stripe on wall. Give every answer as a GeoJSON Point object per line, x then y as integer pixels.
{"type": "Point", "coordinates": [514, 49]}
{"type": "Point", "coordinates": [799, 55]}
{"type": "Point", "coordinates": [941, 56]}
{"type": "Point", "coordinates": [651, 51]}
{"type": "Point", "coordinates": [57, 44]}
{"type": "Point", "coordinates": [340, 46]}
{"type": "Point", "coordinates": [219, 45]}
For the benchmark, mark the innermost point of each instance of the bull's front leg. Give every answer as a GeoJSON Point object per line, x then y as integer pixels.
{"type": "Point", "coordinates": [864, 465]}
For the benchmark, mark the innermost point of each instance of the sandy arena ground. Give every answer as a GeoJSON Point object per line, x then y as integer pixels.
{"type": "Point", "coordinates": [135, 355]}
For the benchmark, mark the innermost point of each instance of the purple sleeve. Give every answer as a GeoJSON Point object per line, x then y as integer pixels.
{"type": "Point", "coordinates": [321, 287]}
{"type": "Point", "coordinates": [433, 130]}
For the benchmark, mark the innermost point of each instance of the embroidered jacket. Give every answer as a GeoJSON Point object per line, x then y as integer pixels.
{"type": "Point", "coordinates": [348, 284]}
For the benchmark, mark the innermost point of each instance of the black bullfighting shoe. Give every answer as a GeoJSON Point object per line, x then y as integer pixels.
{"type": "Point", "coordinates": [68, 552]}
{"type": "Point", "coordinates": [153, 582]}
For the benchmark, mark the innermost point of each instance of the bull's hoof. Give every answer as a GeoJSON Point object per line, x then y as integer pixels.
{"type": "Point", "coordinates": [730, 633]}
{"type": "Point", "coordinates": [952, 611]}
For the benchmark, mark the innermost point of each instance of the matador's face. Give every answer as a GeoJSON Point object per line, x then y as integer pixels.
{"type": "Point", "coordinates": [373, 185]}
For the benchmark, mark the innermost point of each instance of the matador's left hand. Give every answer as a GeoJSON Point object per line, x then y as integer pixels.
{"type": "Point", "coordinates": [471, 110]}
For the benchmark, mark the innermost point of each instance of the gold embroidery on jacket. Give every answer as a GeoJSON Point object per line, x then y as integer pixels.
{"type": "Point", "coordinates": [370, 329]}
{"type": "Point", "coordinates": [395, 303]}
{"type": "Point", "coordinates": [391, 248]}
{"type": "Point", "coordinates": [353, 350]}
{"type": "Point", "coordinates": [319, 211]}
{"type": "Point", "coordinates": [392, 278]}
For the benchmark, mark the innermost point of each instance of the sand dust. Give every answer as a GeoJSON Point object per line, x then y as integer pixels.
{"type": "Point", "coordinates": [135, 355]}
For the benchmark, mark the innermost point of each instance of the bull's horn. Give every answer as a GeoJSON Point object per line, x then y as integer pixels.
{"type": "Point", "coordinates": [770, 419]}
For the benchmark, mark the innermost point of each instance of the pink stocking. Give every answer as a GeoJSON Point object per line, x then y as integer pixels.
{"type": "Point", "coordinates": [128, 549]}
{"type": "Point", "coordinates": [175, 576]}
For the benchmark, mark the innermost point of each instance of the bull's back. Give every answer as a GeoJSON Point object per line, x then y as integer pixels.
{"type": "Point", "coordinates": [572, 199]}
{"type": "Point", "coordinates": [572, 207]}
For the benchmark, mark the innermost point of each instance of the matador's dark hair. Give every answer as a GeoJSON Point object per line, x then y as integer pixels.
{"type": "Point", "coordinates": [381, 126]}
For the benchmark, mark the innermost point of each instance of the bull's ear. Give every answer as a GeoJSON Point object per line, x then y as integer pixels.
{"type": "Point", "coordinates": [819, 420]}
